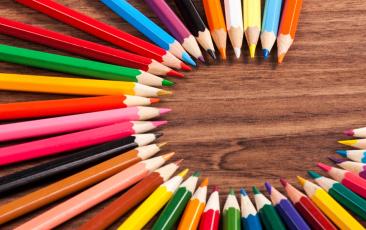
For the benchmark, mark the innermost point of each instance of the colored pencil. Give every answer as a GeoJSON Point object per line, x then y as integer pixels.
{"type": "Point", "coordinates": [308, 210]}
{"type": "Point", "coordinates": [270, 23]}
{"type": "Point", "coordinates": [234, 24]}
{"type": "Point", "coordinates": [131, 198]}
{"type": "Point", "coordinates": [74, 162]}
{"type": "Point", "coordinates": [360, 132]}
{"type": "Point", "coordinates": [175, 207]}
{"type": "Point", "coordinates": [72, 123]}
{"type": "Point", "coordinates": [78, 66]}
{"type": "Point", "coordinates": [148, 209]}
{"type": "Point", "coordinates": [355, 155]}
{"type": "Point", "coordinates": [196, 205]}
{"type": "Point", "coordinates": [249, 216]}
{"type": "Point", "coordinates": [94, 195]}
{"type": "Point", "coordinates": [216, 23]}
{"type": "Point", "coordinates": [147, 27]}
{"type": "Point", "coordinates": [196, 25]}
{"type": "Point", "coordinates": [72, 141]}
{"type": "Point", "coordinates": [252, 23]}
{"type": "Point", "coordinates": [340, 193]}
{"type": "Point", "coordinates": [104, 31]}
{"type": "Point", "coordinates": [285, 209]}
{"type": "Point", "coordinates": [79, 86]}
{"type": "Point", "coordinates": [231, 212]}
{"type": "Point", "coordinates": [175, 27]}
{"type": "Point", "coordinates": [60, 107]}
{"type": "Point", "coordinates": [356, 143]}
{"type": "Point", "coordinates": [347, 178]}
{"type": "Point", "coordinates": [269, 216]}
{"type": "Point", "coordinates": [210, 218]}
{"type": "Point", "coordinates": [288, 27]}
{"type": "Point", "coordinates": [73, 183]}
{"type": "Point", "coordinates": [355, 167]}
{"type": "Point", "coordinates": [329, 206]}
{"type": "Point", "coordinates": [84, 48]}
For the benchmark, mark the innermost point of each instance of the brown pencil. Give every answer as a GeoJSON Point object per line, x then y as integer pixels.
{"type": "Point", "coordinates": [131, 198]}
{"type": "Point", "coordinates": [74, 183]}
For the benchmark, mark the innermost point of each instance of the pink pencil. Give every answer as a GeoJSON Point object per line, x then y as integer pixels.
{"type": "Point", "coordinates": [71, 123]}
{"type": "Point", "coordinates": [72, 141]}
{"type": "Point", "coordinates": [94, 195]}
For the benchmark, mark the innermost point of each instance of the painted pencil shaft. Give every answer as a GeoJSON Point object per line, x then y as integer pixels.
{"type": "Point", "coordinates": [216, 23]}
{"type": "Point", "coordinates": [196, 25]}
{"type": "Point", "coordinates": [249, 216]}
{"type": "Point", "coordinates": [234, 24]}
{"type": "Point", "coordinates": [77, 86]}
{"type": "Point", "coordinates": [252, 23]}
{"type": "Point", "coordinates": [231, 212]}
{"type": "Point", "coordinates": [271, 19]}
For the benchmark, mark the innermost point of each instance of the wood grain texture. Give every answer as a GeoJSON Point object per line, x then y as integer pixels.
{"type": "Point", "coordinates": [243, 122]}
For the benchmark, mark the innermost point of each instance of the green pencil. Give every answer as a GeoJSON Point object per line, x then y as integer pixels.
{"type": "Point", "coordinates": [174, 209]}
{"type": "Point", "coordinates": [270, 219]}
{"type": "Point", "coordinates": [342, 194]}
{"type": "Point", "coordinates": [78, 66]}
{"type": "Point", "coordinates": [231, 212]}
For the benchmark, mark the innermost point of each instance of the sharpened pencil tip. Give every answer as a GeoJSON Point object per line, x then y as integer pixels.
{"type": "Point", "coordinates": [187, 59]}
{"type": "Point", "coordinates": [168, 156]}
{"type": "Point", "coordinates": [158, 135]}
{"type": "Point", "coordinates": [342, 152]}
{"type": "Point", "coordinates": [336, 160]}
{"type": "Point", "coordinates": [268, 187]}
{"type": "Point", "coordinates": [183, 173]}
{"type": "Point", "coordinates": [256, 190]}
{"type": "Point", "coordinates": [280, 58]}
{"type": "Point", "coordinates": [196, 174]}
{"type": "Point", "coordinates": [202, 59]}
{"type": "Point", "coordinates": [283, 182]}
{"type": "Point", "coordinates": [243, 192]}
{"type": "Point", "coordinates": [164, 110]}
{"type": "Point", "coordinates": [216, 188]}
{"type": "Point", "coordinates": [301, 180]}
{"type": "Point", "coordinates": [324, 167]}
{"type": "Point", "coordinates": [265, 54]}
{"type": "Point", "coordinates": [212, 53]}
{"type": "Point", "coordinates": [185, 67]}
{"type": "Point", "coordinates": [159, 123]}
{"type": "Point", "coordinates": [223, 53]}
{"type": "Point", "coordinates": [154, 100]}
{"type": "Point", "coordinates": [174, 73]}
{"type": "Point", "coordinates": [179, 162]}
{"type": "Point", "coordinates": [167, 83]}
{"type": "Point", "coordinates": [349, 132]}
{"type": "Point", "coordinates": [252, 50]}
{"type": "Point", "coordinates": [164, 92]}
{"type": "Point", "coordinates": [348, 142]}
{"type": "Point", "coordinates": [161, 144]}
{"type": "Point", "coordinates": [204, 183]}
{"type": "Point", "coordinates": [313, 174]}
{"type": "Point", "coordinates": [232, 191]}
{"type": "Point", "coordinates": [237, 52]}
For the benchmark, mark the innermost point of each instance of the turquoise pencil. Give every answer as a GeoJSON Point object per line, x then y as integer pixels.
{"type": "Point", "coordinates": [355, 155]}
{"type": "Point", "coordinates": [249, 216]}
{"type": "Point", "coordinates": [270, 23]}
{"type": "Point", "coordinates": [147, 27]}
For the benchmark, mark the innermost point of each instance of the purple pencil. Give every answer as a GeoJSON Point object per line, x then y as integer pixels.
{"type": "Point", "coordinates": [355, 167]}
{"type": "Point", "coordinates": [286, 210]}
{"type": "Point", "coordinates": [176, 27]}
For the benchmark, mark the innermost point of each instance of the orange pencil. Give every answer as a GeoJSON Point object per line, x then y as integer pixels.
{"type": "Point", "coordinates": [194, 209]}
{"type": "Point", "coordinates": [288, 27]}
{"type": "Point", "coordinates": [216, 22]}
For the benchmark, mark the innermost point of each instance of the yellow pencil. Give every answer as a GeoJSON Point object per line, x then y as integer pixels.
{"type": "Point", "coordinates": [252, 23]}
{"type": "Point", "coordinates": [78, 86]}
{"type": "Point", "coordinates": [329, 206]}
{"type": "Point", "coordinates": [147, 210]}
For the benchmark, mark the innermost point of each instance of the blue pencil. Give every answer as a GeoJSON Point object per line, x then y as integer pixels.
{"type": "Point", "coordinates": [355, 155]}
{"type": "Point", "coordinates": [286, 210]}
{"type": "Point", "coordinates": [270, 23]}
{"type": "Point", "coordinates": [147, 27]}
{"type": "Point", "coordinates": [249, 216]}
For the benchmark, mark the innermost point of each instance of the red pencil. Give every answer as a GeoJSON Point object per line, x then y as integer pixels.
{"type": "Point", "coordinates": [49, 108]}
{"type": "Point", "coordinates": [313, 216]}
{"type": "Point", "coordinates": [210, 218]}
{"type": "Point", "coordinates": [104, 31]}
{"type": "Point", "coordinates": [351, 180]}
{"type": "Point", "coordinates": [84, 48]}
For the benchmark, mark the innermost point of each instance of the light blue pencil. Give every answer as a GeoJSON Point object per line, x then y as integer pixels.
{"type": "Point", "coordinates": [249, 216]}
{"type": "Point", "coordinates": [150, 29]}
{"type": "Point", "coordinates": [270, 23]}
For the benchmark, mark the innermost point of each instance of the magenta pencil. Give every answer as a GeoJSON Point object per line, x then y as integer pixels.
{"type": "Point", "coordinates": [72, 141]}
{"type": "Point", "coordinates": [71, 123]}
{"type": "Point", "coordinates": [176, 27]}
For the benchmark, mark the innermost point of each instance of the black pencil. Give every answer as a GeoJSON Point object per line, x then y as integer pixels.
{"type": "Point", "coordinates": [73, 162]}
{"type": "Point", "coordinates": [196, 25]}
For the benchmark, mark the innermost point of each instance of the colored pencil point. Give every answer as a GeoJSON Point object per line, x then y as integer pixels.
{"type": "Point", "coordinates": [185, 67]}
{"type": "Point", "coordinates": [348, 142]}
{"type": "Point", "coordinates": [231, 212]}
{"type": "Point", "coordinates": [174, 73]}
{"type": "Point", "coordinates": [265, 54]}
{"type": "Point", "coordinates": [164, 92]}
{"type": "Point", "coordinates": [336, 160]}
{"type": "Point", "coordinates": [154, 100]}
{"type": "Point", "coordinates": [252, 50]}
{"type": "Point", "coordinates": [187, 59]}
{"type": "Point", "coordinates": [354, 155]}
{"type": "Point", "coordinates": [223, 53]}
{"type": "Point", "coordinates": [249, 216]}
{"type": "Point", "coordinates": [342, 152]}
{"type": "Point", "coordinates": [212, 54]}
{"type": "Point", "coordinates": [202, 59]}
{"type": "Point", "coordinates": [349, 133]}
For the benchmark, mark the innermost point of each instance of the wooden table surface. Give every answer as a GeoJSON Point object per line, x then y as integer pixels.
{"type": "Point", "coordinates": [243, 122]}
